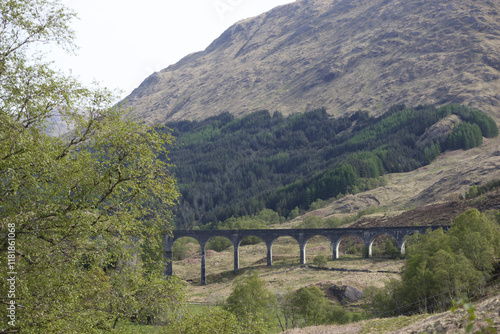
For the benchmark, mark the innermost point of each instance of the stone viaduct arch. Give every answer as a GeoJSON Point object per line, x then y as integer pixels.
{"type": "Point", "coordinates": [335, 236]}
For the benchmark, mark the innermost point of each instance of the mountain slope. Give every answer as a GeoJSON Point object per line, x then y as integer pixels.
{"type": "Point", "coordinates": [236, 167]}
{"type": "Point", "coordinates": [344, 55]}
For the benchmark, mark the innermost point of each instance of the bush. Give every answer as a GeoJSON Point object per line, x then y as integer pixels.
{"type": "Point", "coordinates": [473, 192]}
{"type": "Point", "coordinates": [218, 244]}
{"type": "Point", "coordinates": [311, 222]}
{"type": "Point", "coordinates": [333, 222]}
{"type": "Point", "coordinates": [317, 205]}
{"type": "Point", "coordinates": [391, 250]}
{"type": "Point", "coordinates": [320, 261]}
{"type": "Point", "coordinates": [338, 315]}
{"type": "Point", "coordinates": [180, 250]}
{"type": "Point", "coordinates": [294, 213]}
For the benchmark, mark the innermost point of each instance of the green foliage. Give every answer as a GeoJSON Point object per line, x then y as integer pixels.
{"type": "Point", "coordinates": [366, 164]}
{"type": "Point", "coordinates": [251, 301]}
{"type": "Point", "coordinates": [317, 222]}
{"type": "Point", "coordinates": [465, 136]}
{"type": "Point", "coordinates": [294, 213]}
{"type": "Point", "coordinates": [254, 305]}
{"type": "Point", "coordinates": [218, 244]}
{"type": "Point", "coordinates": [388, 248]}
{"type": "Point", "coordinates": [472, 193]}
{"type": "Point", "coordinates": [441, 267]}
{"type": "Point", "coordinates": [334, 222]}
{"type": "Point", "coordinates": [318, 204]}
{"type": "Point", "coordinates": [470, 133]}
{"type": "Point", "coordinates": [86, 207]}
{"type": "Point", "coordinates": [320, 261]}
{"type": "Point", "coordinates": [269, 216]}
{"type": "Point", "coordinates": [391, 249]}
{"type": "Point", "coordinates": [475, 191]}
{"type": "Point", "coordinates": [311, 222]}
{"type": "Point", "coordinates": [334, 182]}
{"type": "Point", "coordinates": [431, 152]}
{"type": "Point", "coordinates": [214, 320]}
{"type": "Point", "coordinates": [310, 304]}
{"type": "Point", "coordinates": [352, 248]}
{"type": "Point", "coordinates": [237, 167]}
{"type": "Point", "coordinates": [386, 301]}
{"type": "Point", "coordinates": [478, 237]}
{"type": "Point", "coordinates": [260, 220]}
{"type": "Point", "coordinates": [489, 128]}
{"type": "Point", "coordinates": [338, 315]}
{"type": "Point", "coordinates": [207, 133]}
{"type": "Point", "coordinates": [180, 250]}
{"type": "Point", "coordinates": [434, 279]}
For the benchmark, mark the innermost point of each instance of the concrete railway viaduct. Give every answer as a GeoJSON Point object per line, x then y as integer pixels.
{"type": "Point", "coordinates": [302, 236]}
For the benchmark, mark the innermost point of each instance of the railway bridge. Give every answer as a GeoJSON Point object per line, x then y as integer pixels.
{"type": "Point", "coordinates": [302, 236]}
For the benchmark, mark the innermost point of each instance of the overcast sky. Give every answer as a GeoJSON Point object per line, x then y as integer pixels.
{"type": "Point", "coordinates": [121, 42]}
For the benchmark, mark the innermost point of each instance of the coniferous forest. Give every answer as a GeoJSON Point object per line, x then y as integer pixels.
{"type": "Point", "coordinates": [228, 167]}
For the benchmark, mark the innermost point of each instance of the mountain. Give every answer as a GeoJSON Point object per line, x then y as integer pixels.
{"type": "Point", "coordinates": [344, 55]}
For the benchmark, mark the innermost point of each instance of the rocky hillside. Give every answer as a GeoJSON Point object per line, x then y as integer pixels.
{"type": "Point", "coordinates": [344, 55]}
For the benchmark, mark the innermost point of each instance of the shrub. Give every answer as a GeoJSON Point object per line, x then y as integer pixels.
{"type": "Point", "coordinates": [311, 222]}
{"type": "Point", "coordinates": [180, 250]}
{"type": "Point", "coordinates": [320, 261]}
{"type": "Point", "coordinates": [218, 244]}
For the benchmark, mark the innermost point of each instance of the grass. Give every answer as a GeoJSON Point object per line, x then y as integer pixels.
{"type": "Point", "coordinates": [390, 324]}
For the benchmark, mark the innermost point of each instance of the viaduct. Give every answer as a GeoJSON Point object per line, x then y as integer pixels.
{"type": "Point", "coordinates": [302, 236]}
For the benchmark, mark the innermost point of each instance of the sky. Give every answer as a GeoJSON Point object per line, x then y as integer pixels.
{"type": "Point", "coordinates": [122, 42]}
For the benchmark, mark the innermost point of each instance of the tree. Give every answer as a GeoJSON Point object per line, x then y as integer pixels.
{"type": "Point", "coordinates": [391, 250]}
{"type": "Point", "coordinates": [465, 136]}
{"type": "Point", "coordinates": [251, 301]}
{"type": "Point", "coordinates": [304, 307]}
{"type": "Point", "coordinates": [310, 303]}
{"type": "Point", "coordinates": [441, 267]}
{"type": "Point", "coordinates": [286, 308]}
{"type": "Point", "coordinates": [478, 237]}
{"type": "Point", "coordinates": [75, 209]}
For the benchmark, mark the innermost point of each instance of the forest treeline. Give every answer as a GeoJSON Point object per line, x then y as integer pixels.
{"type": "Point", "coordinates": [228, 167]}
